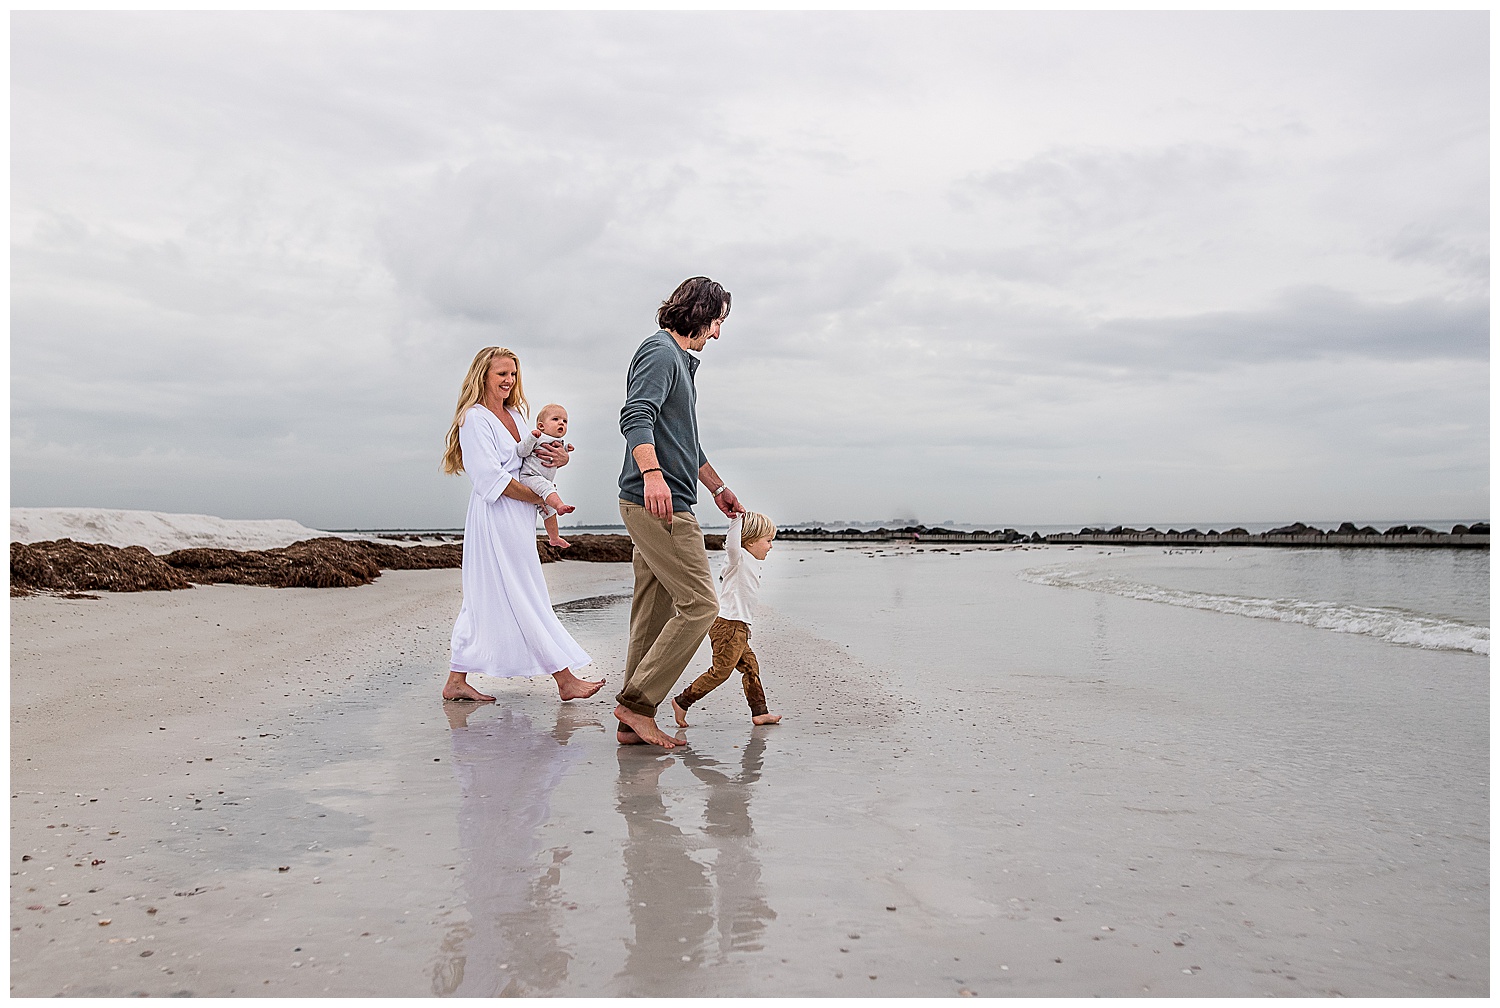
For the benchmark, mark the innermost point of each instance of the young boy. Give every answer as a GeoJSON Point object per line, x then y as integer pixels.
{"type": "Point", "coordinates": [747, 543]}
{"type": "Point", "coordinates": [537, 476]}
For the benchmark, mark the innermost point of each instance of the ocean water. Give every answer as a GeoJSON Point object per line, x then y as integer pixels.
{"type": "Point", "coordinates": [900, 603]}
{"type": "Point", "coordinates": [1426, 598]}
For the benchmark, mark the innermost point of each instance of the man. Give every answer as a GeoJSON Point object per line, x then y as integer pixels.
{"type": "Point", "coordinates": [674, 602]}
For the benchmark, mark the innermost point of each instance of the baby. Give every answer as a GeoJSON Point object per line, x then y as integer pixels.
{"type": "Point", "coordinates": [746, 545]}
{"type": "Point", "coordinates": [537, 476]}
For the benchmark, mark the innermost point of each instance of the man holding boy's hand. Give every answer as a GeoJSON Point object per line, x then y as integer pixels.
{"type": "Point", "coordinates": [675, 602]}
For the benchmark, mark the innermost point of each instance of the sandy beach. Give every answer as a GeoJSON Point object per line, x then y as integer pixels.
{"type": "Point", "coordinates": [240, 791]}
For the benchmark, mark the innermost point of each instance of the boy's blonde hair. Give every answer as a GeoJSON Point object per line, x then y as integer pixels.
{"type": "Point", "coordinates": [548, 410]}
{"type": "Point", "coordinates": [756, 526]}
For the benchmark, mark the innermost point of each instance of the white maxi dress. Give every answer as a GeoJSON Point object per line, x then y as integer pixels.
{"type": "Point", "coordinates": [506, 626]}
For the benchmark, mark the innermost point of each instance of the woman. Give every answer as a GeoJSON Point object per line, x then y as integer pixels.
{"type": "Point", "coordinates": [506, 626]}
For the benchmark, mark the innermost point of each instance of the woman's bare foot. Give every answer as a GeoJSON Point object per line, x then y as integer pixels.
{"type": "Point", "coordinates": [570, 687]}
{"type": "Point", "coordinates": [643, 728]}
{"type": "Point", "coordinates": [766, 718]}
{"type": "Point", "coordinates": [679, 714]}
{"type": "Point", "coordinates": [457, 688]}
{"type": "Point", "coordinates": [559, 542]}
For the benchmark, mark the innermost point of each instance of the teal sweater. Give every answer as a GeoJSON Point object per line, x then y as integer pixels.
{"type": "Point", "coordinates": [661, 409]}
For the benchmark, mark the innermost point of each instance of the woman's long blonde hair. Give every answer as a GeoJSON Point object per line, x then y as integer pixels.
{"type": "Point", "coordinates": [471, 393]}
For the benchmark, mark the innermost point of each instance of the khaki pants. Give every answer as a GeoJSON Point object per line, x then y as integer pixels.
{"type": "Point", "coordinates": [731, 640]}
{"type": "Point", "coordinates": [673, 607]}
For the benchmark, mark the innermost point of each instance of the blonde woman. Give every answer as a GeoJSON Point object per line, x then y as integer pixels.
{"type": "Point", "coordinates": [506, 626]}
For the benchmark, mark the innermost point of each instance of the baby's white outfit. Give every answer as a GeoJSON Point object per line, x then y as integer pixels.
{"type": "Point", "coordinates": [536, 475]}
{"type": "Point", "coordinates": [739, 581]}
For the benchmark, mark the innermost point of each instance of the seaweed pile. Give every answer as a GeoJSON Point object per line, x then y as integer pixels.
{"type": "Point", "coordinates": [602, 548]}
{"type": "Point", "coordinates": [63, 566]}
{"type": "Point", "coordinates": [68, 567]}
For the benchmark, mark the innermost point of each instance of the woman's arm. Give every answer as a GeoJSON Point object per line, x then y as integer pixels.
{"type": "Point", "coordinates": [516, 490]}
{"type": "Point", "coordinates": [483, 460]}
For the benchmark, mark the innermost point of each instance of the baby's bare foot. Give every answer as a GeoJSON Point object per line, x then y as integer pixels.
{"type": "Point", "coordinates": [766, 718]}
{"type": "Point", "coordinates": [679, 714]}
{"type": "Point", "coordinates": [559, 542]}
{"type": "Point", "coordinates": [564, 508]}
{"type": "Point", "coordinates": [644, 728]}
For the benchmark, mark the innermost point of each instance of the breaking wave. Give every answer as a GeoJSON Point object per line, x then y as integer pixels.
{"type": "Point", "coordinates": [1397, 626]}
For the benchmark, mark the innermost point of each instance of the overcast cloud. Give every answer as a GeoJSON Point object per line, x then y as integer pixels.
{"type": "Point", "coordinates": [999, 268]}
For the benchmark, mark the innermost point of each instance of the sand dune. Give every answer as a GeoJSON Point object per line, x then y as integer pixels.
{"type": "Point", "coordinates": [159, 532]}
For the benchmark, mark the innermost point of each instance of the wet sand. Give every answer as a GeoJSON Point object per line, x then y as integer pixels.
{"type": "Point", "coordinates": [281, 805]}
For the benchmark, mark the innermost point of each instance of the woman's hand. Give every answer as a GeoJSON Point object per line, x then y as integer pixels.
{"type": "Point", "coordinates": [553, 455]}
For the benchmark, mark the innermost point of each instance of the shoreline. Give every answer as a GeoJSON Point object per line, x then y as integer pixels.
{"type": "Point", "coordinates": [1093, 796]}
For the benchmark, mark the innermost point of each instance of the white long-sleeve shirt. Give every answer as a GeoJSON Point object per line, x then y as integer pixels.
{"type": "Point", "coordinates": [739, 581]}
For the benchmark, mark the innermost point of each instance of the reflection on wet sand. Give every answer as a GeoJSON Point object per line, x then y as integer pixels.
{"type": "Point", "coordinates": [695, 897]}
{"type": "Point", "coordinates": [507, 770]}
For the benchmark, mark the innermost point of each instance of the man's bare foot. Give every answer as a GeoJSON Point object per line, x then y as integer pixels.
{"type": "Point", "coordinates": [463, 691]}
{"type": "Point", "coordinates": [559, 542]}
{"type": "Point", "coordinates": [679, 714]}
{"type": "Point", "coordinates": [627, 736]}
{"type": "Point", "coordinates": [766, 718]}
{"type": "Point", "coordinates": [570, 687]}
{"type": "Point", "coordinates": [643, 728]}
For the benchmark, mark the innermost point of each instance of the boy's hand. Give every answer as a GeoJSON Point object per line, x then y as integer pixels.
{"type": "Point", "coordinates": [536, 432]}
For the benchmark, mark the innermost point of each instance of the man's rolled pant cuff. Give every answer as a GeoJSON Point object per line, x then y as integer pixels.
{"type": "Point", "coordinates": [684, 701]}
{"type": "Point", "coordinates": [643, 709]}
{"type": "Point", "coordinates": [758, 713]}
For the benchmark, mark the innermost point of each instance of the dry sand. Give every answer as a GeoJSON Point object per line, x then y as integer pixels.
{"type": "Point", "coordinates": [279, 804]}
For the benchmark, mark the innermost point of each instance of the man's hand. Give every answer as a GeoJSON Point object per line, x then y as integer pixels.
{"type": "Point", "coordinates": [552, 455]}
{"type": "Point", "coordinates": [729, 504]}
{"type": "Point", "coordinates": [658, 496]}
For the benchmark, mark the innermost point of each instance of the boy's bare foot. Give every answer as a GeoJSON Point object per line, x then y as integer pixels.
{"type": "Point", "coordinates": [643, 728]}
{"type": "Point", "coordinates": [559, 542]}
{"type": "Point", "coordinates": [766, 718]}
{"type": "Point", "coordinates": [679, 714]}
{"type": "Point", "coordinates": [562, 508]}
{"type": "Point", "coordinates": [570, 687]}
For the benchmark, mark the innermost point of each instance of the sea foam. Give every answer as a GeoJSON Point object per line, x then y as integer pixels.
{"type": "Point", "coordinates": [1397, 626]}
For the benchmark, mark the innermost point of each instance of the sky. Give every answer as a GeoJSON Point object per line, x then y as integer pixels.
{"type": "Point", "coordinates": [995, 268]}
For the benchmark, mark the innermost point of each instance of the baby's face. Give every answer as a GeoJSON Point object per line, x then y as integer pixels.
{"type": "Point", "coordinates": [554, 424]}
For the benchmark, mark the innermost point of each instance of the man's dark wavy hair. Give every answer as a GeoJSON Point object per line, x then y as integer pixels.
{"type": "Point", "coordinates": [693, 306]}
